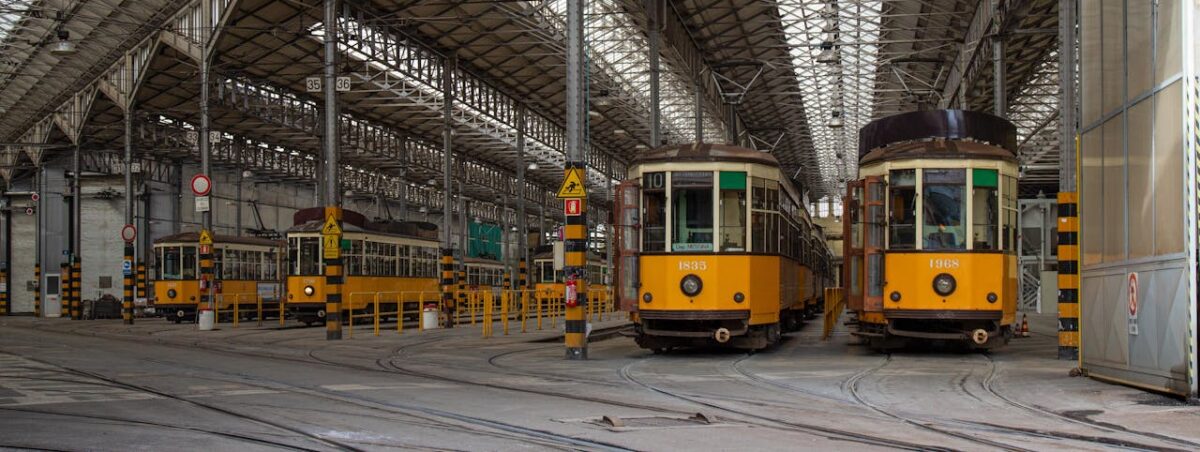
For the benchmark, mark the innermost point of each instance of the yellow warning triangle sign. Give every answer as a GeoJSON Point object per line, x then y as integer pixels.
{"type": "Point", "coordinates": [206, 237]}
{"type": "Point", "coordinates": [331, 227]}
{"type": "Point", "coordinates": [572, 186]}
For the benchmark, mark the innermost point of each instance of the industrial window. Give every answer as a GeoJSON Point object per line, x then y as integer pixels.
{"type": "Point", "coordinates": [985, 210]}
{"type": "Point", "coordinates": [733, 211]}
{"type": "Point", "coordinates": [692, 211]}
{"type": "Point", "coordinates": [654, 213]}
{"type": "Point", "coordinates": [903, 205]}
{"type": "Point", "coordinates": [944, 203]}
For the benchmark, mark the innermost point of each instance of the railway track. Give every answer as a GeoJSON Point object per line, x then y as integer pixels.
{"type": "Point", "coordinates": [827, 432]}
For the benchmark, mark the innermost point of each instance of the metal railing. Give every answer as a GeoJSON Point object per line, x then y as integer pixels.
{"type": "Point", "coordinates": [483, 307]}
{"type": "Point", "coordinates": [234, 308]}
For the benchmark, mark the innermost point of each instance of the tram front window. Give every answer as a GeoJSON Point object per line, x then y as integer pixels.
{"type": "Point", "coordinates": [171, 265]}
{"type": "Point", "coordinates": [944, 203]}
{"type": "Point", "coordinates": [692, 211]}
{"type": "Point", "coordinates": [986, 213]}
{"type": "Point", "coordinates": [310, 255]}
{"type": "Point", "coordinates": [189, 262]}
{"type": "Point", "coordinates": [654, 212]}
{"type": "Point", "coordinates": [903, 204]}
{"type": "Point", "coordinates": [733, 211]}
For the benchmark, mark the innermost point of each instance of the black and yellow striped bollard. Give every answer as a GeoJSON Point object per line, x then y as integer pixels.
{"type": "Point", "coordinates": [332, 233]}
{"type": "Point", "coordinates": [448, 301]}
{"type": "Point", "coordinates": [4, 291]}
{"type": "Point", "coordinates": [127, 283]}
{"type": "Point", "coordinates": [1068, 276]}
{"type": "Point", "coordinates": [37, 290]}
{"type": "Point", "coordinates": [76, 288]}
{"type": "Point", "coordinates": [64, 291]}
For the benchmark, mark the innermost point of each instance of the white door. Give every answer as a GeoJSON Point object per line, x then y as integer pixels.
{"type": "Point", "coordinates": [51, 304]}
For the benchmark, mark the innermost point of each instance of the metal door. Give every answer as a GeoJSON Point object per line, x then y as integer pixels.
{"type": "Point", "coordinates": [852, 245]}
{"type": "Point", "coordinates": [874, 228]}
{"type": "Point", "coordinates": [51, 305]}
{"type": "Point", "coordinates": [626, 234]}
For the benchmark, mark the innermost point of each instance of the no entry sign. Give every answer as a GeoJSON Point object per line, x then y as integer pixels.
{"type": "Point", "coordinates": [201, 185]}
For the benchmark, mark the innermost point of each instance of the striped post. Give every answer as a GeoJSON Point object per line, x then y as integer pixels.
{"type": "Point", "coordinates": [448, 302]}
{"type": "Point", "coordinates": [3, 291]}
{"type": "Point", "coordinates": [127, 280]}
{"type": "Point", "coordinates": [64, 291]}
{"type": "Point", "coordinates": [141, 280]}
{"type": "Point", "coordinates": [37, 290]}
{"type": "Point", "coordinates": [463, 299]}
{"type": "Point", "coordinates": [1068, 276]}
{"type": "Point", "coordinates": [333, 280]}
{"type": "Point", "coordinates": [76, 288]}
{"type": "Point", "coordinates": [522, 275]}
{"type": "Point", "coordinates": [574, 267]}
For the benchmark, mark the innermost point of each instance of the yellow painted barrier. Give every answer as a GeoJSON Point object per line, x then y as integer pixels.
{"type": "Point", "coordinates": [835, 303]}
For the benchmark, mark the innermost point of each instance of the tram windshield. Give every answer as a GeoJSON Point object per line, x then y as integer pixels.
{"type": "Point", "coordinates": [944, 204]}
{"type": "Point", "coordinates": [170, 263]}
{"type": "Point", "coordinates": [305, 256]}
{"type": "Point", "coordinates": [691, 211]}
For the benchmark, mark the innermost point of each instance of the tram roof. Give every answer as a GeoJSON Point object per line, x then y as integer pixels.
{"type": "Point", "coordinates": [959, 125]}
{"type": "Point", "coordinates": [706, 152]}
{"type": "Point", "coordinates": [194, 237]}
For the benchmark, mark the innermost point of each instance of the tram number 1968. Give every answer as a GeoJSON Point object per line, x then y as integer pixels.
{"type": "Point", "coordinates": [943, 264]}
{"type": "Point", "coordinates": [693, 265]}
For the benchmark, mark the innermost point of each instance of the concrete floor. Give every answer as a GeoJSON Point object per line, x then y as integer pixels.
{"type": "Point", "coordinates": [101, 385]}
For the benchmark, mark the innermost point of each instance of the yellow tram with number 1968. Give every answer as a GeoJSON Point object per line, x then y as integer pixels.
{"type": "Point", "coordinates": [930, 230]}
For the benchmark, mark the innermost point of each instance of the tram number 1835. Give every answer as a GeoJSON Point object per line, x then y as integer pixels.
{"type": "Point", "coordinates": [944, 264]}
{"type": "Point", "coordinates": [693, 265]}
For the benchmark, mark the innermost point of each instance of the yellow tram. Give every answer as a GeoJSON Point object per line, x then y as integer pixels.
{"type": "Point", "coordinates": [716, 247]}
{"type": "Point", "coordinates": [396, 262]}
{"type": "Point", "coordinates": [930, 229]}
{"type": "Point", "coordinates": [246, 269]}
{"type": "Point", "coordinates": [548, 282]}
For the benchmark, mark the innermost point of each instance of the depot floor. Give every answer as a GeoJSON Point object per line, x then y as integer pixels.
{"type": "Point", "coordinates": [101, 385]}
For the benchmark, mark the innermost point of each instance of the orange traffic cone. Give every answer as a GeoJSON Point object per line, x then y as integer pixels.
{"type": "Point", "coordinates": [1024, 325]}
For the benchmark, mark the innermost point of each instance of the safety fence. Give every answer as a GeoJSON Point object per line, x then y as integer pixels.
{"type": "Point", "coordinates": [835, 303]}
{"type": "Point", "coordinates": [248, 306]}
{"type": "Point", "coordinates": [486, 308]}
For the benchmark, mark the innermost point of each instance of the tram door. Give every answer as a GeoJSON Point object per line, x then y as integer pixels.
{"type": "Point", "coordinates": [863, 229]}
{"type": "Point", "coordinates": [627, 237]}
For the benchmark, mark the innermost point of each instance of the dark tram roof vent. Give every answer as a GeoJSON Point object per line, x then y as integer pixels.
{"type": "Point", "coordinates": [946, 124]}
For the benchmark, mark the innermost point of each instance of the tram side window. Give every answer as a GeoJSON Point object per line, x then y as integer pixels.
{"type": "Point", "coordinates": [1009, 204]}
{"type": "Point", "coordinates": [903, 204]}
{"type": "Point", "coordinates": [986, 211]}
{"type": "Point", "coordinates": [402, 260]}
{"type": "Point", "coordinates": [310, 256]}
{"type": "Point", "coordinates": [944, 203]}
{"type": "Point", "coordinates": [189, 262]}
{"type": "Point", "coordinates": [219, 263]}
{"type": "Point", "coordinates": [171, 264]}
{"type": "Point", "coordinates": [293, 262]}
{"type": "Point", "coordinates": [692, 211]}
{"type": "Point", "coordinates": [772, 203]}
{"type": "Point", "coordinates": [654, 212]}
{"type": "Point", "coordinates": [733, 211]}
{"type": "Point", "coordinates": [353, 258]}
{"type": "Point", "coordinates": [758, 219]}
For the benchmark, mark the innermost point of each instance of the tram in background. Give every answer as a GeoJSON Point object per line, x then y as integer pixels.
{"type": "Point", "coordinates": [716, 246]}
{"type": "Point", "coordinates": [931, 229]}
{"type": "Point", "coordinates": [244, 270]}
{"type": "Point", "coordinates": [548, 280]}
{"type": "Point", "coordinates": [397, 260]}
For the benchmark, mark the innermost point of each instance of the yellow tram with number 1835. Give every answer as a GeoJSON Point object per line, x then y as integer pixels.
{"type": "Point", "coordinates": [715, 247]}
{"type": "Point", "coordinates": [245, 270]}
{"type": "Point", "coordinates": [930, 230]}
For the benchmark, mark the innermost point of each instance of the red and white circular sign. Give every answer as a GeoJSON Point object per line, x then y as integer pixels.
{"type": "Point", "coordinates": [28, 211]}
{"type": "Point", "coordinates": [201, 185]}
{"type": "Point", "coordinates": [1133, 295]}
{"type": "Point", "coordinates": [128, 233]}
{"type": "Point", "coordinates": [35, 197]}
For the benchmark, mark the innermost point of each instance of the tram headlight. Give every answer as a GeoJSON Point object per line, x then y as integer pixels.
{"type": "Point", "coordinates": [895, 296]}
{"type": "Point", "coordinates": [944, 284]}
{"type": "Point", "coordinates": [739, 297]}
{"type": "Point", "coordinates": [646, 297]}
{"type": "Point", "coordinates": [991, 297]}
{"type": "Point", "coordinates": [171, 293]}
{"type": "Point", "coordinates": [308, 290]}
{"type": "Point", "coordinates": [691, 285]}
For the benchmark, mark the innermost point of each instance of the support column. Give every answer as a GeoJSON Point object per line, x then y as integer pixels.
{"type": "Point", "coordinates": [37, 287]}
{"type": "Point", "coordinates": [127, 301]}
{"type": "Point", "coordinates": [653, 7]}
{"type": "Point", "coordinates": [1068, 276]}
{"type": "Point", "coordinates": [333, 206]}
{"type": "Point", "coordinates": [575, 232]}
{"type": "Point", "coordinates": [449, 304]}
{"type": "Point", "coordinates": [522, 228]}
{"type": "Point", "coordinates": [4, 291]}
{"type": "Point", "coordinates": [37, 245]}
{"type": "Point", "coordinates": [206, 265]}
{"type": "Point", "coordinates": [76, 238]}
{"type": "Point", "coordinates": [999, 88]}
{"type": "Point", "coordinates": [464, 243]}
{"type": "Point", "coordinates": [1068, 107]}
{"type": "Point", "coordinates": [66, 309]}
{"type": "Point", "coordinates": [699, 109]}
